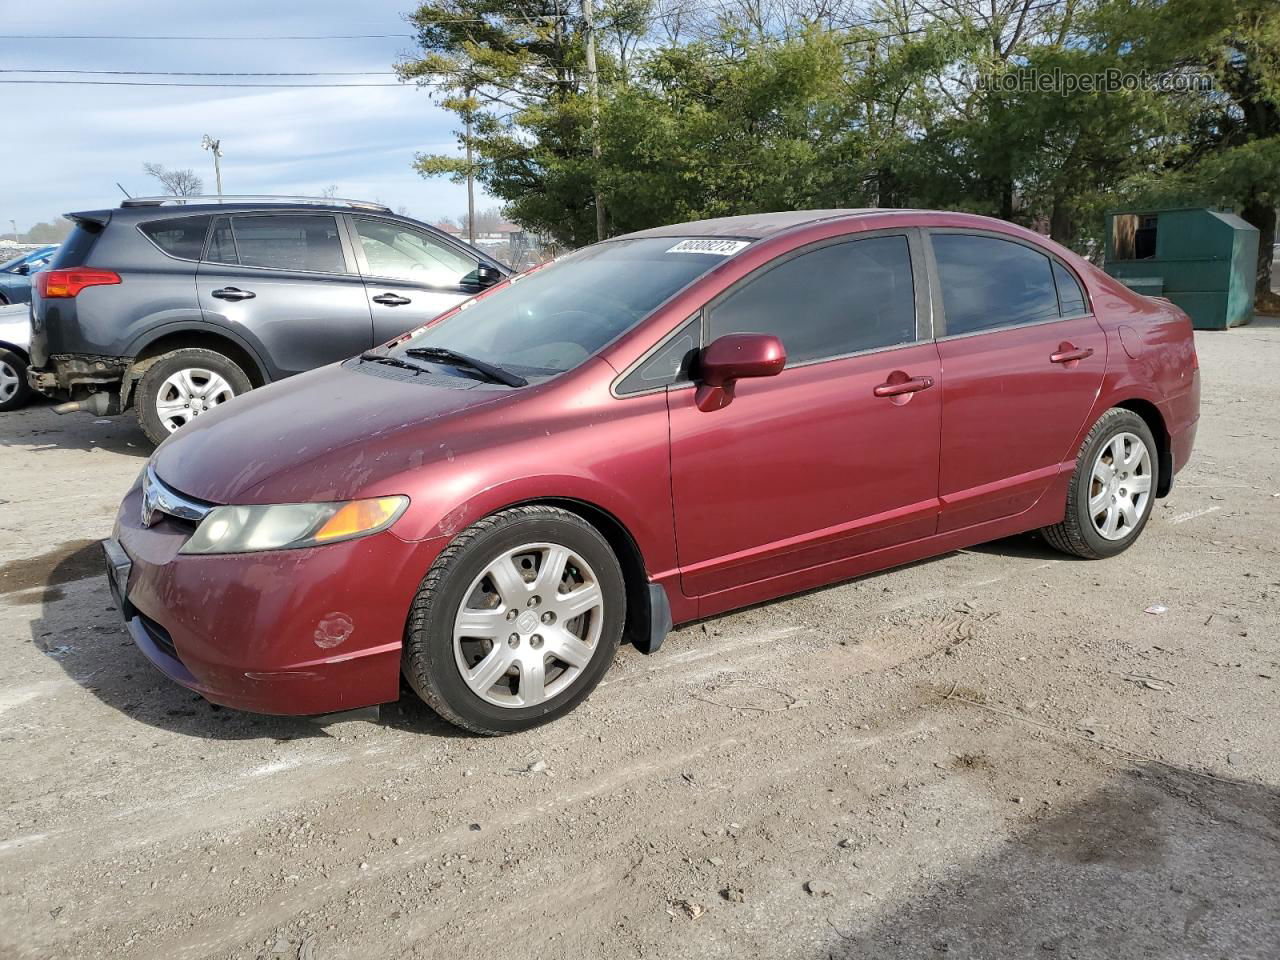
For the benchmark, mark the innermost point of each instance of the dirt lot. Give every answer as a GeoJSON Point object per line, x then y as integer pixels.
{"type": "Point", "coordinates": [993, 754]}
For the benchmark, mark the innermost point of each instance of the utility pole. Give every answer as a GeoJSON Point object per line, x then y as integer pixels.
{"type": "Point", "coordinates": [471, 188]}
{"type": "Point", "coordinates": [216, 147]}
{"type": "Point", "coordinates": [593, 87]}
{"type": "Point", "coordinates": [14, 224]}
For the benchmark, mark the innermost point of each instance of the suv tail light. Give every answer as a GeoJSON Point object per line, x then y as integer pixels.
{"type": "Point", "coordinates": [55, 284]}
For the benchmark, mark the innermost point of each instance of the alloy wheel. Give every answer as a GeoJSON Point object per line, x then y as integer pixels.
{"type": "Point", "coordinates": [189, 393]}
{"type": "Point", "coordinates": [1120, 486]}
{"type": "Point", "coordinates": [529, 625]}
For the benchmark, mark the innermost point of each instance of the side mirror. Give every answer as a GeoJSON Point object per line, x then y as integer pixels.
{"type": "Point", "coordinates": [22, 269]}
{"type": "Point", "coordinates": [487, 275]}
{"type": "Point", "coordinates": [734, 357]}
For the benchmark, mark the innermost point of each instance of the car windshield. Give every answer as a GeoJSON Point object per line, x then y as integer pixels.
{"type": "Point", "coordinates": [553, 319]}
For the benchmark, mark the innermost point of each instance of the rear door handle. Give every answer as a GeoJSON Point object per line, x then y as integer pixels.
{"type": "Point", "coordinates": [1070, 354]}
{"type": "Point", "coordinates": [233, 293]}
{"type": "Point", "coordinates": [391, 299]}
{"type": "Point", "coordinates": [893, 388]}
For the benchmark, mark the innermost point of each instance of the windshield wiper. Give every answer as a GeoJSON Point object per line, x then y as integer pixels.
{"type": "Point", "coordinates": [489, 371]}
{"type": "Point", "coordinates": [370, 357]}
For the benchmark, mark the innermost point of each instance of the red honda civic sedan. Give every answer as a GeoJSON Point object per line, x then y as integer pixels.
{"type": "Point", "coordinates": [653, 429]}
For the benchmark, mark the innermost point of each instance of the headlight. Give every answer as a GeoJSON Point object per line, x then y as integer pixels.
{"type": "Point", "coordinates": [288, 525]}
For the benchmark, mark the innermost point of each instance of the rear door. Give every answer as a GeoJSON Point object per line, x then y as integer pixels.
{"type": "Point", "coordinates": [1023, 359]}
{"type": "Point", "coordinates": [811, 465]}
{"type": "Point", "coordinates": [287, 283]}
{"type": "Point", "coordinates": [410, 276]}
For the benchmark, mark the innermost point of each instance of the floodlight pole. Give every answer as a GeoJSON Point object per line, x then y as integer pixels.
{"type": "Point", "coordinates": [215, 146]}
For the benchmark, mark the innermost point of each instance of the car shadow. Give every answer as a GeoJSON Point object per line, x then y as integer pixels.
{"type": "Point", "coordinates": [37, 427]}
{"type": "Point", "coordinates": [1159, 863]}
{"type": "Point", "coordinates": [79, 627]}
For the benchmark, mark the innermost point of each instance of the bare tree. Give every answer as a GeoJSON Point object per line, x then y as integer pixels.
{"type": "Point", "coordinates": [330, 191]}
{"type": "Point", "coordinates": [176, 183]}
{"type": "Point", "coordinates": [487, 221]}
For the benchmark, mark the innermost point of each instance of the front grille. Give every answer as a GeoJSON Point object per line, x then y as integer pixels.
{"type": "Point", "coordinates": [160, 637]}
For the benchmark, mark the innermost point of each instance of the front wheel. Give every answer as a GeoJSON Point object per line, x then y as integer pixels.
{"type": "Point", "coordinates": [1112, 490]}
{"type": "Point", "coordinates": [183, 384]}
{"type": "Point", "coordinates": [516, 622]}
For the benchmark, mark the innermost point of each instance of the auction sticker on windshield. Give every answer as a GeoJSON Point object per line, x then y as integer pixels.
{"type": "Point", "coordinates": [721, 248]}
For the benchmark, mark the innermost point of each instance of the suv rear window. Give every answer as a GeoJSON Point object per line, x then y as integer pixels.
{"type": "Point", "coordinates": [181, 237]}
{"type": "Point", "coordinates": [75, 249]}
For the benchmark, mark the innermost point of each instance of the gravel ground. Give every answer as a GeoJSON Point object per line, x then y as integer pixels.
{"type": "Point", "coordinates": [996, 754]}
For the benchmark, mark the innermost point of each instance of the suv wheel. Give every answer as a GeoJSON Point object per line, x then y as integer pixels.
{"type": "Point", "coordinates": [516, 622]}
{"type": "Point", "coordinates": [1112, 490]}
{"type": "Point", "coordinates": [183, 384]}
{"type": "Point", "coordinates": [14, 389]}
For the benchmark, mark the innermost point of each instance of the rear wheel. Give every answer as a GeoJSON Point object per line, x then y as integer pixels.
{"type": "Point", "coordinates": [14, 390]}
{"type": "Point", "coordinates": [183, 384]}
{"type": "Point", "coordinates": [1112, 490]}
{"type": "Point", "coordinates": [516, 622]}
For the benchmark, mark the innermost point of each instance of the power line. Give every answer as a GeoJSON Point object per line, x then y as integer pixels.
{"type": "Point", "coordinates": [225, 86]}
{"type": "Point", "coordinates": [99, 36]}
{"type": "Point", "coordinates": [209, 73]}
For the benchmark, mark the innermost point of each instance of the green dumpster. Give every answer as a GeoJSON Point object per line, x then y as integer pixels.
{"type": "Point", "coordinates": [1203, 260]}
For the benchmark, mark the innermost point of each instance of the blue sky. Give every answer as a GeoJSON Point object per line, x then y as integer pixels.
{"type": "Point", "coordinates": [64, 147]}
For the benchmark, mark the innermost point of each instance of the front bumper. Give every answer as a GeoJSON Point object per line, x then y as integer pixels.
{"type": "Point", "coordinates": [288, 632]}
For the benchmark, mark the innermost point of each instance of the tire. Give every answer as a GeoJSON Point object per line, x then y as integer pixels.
{"type": "Point", "coordinates": [1084, 532]}
{"type": "Point", "coordinates": [434, 659]}
{"type": "Point", "coordinates": [211, 380]}
{"type": "Point", "coordinates": [14, 389]}
{"type": "Point", "coordinates": [4, 301]}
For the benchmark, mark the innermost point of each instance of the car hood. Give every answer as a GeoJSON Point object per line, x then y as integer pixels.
{"type": "Point", "coordinates": [330, 434]}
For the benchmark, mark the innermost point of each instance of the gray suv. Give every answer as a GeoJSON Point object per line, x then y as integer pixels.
{"type": "Point", "coordinates": [174, 306]}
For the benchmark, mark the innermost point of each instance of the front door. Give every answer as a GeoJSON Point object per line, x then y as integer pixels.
{"type": "Point", "coordinates": [284, 282]}
{"type": "Point", "coordinates": [410, 276]}
{"type": "Point", "coordinates": [1024, 359]}
{"type": "Point", "coordinates": [812, 465]}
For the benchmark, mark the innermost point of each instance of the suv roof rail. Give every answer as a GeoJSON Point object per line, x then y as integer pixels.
{"type": "Point", "coordinates": [254, 198]}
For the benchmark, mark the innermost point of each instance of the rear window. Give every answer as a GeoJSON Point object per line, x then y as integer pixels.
{"type": "Point", "coordinates": [75, 249]}
{"type": "Point", "coordinates": [181, 237]}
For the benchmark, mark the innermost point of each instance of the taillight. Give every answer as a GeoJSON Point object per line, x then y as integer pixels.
{"type": "Point", "coordinates": [54, 284]}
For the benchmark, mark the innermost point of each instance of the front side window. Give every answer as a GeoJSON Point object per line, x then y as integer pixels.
{"type": "Point", "coordinates": [987, 282]}
{"type": "Point", "coordinates": [829, 302]}
{"type": "Point", "coordinates": [289, 241]}
{"type": "Point", "coordinates": [181, 237]}
{"type": "Point", "coordinates": [398, 253]}
{"type": "Point", "coordinates": [554, 318]}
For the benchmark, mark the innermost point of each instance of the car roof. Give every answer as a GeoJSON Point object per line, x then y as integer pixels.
{"type": "Point", "coordinates": [752, 226]}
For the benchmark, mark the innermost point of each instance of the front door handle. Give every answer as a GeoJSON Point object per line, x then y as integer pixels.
{"type": "Point", "coordinates": [895, 387]}
{"type": "Point", "coordinates": [391, 299]}
{"type": "Point", "coordinates": [1069, 354]}
{"type": "Point", "coordinates": [233, 294]}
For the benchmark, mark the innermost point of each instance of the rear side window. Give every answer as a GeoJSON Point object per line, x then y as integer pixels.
{"type": "Point", "coordinates": [832, 301]}
{"type": "Point", "coordinates": [306, 242]}
{"type": "Point", "coordinates": [987, 282]}
{"type": "Point", "coordinates": [1070, 297]}
{"type": "Point", "coordinates": [181, 237]}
